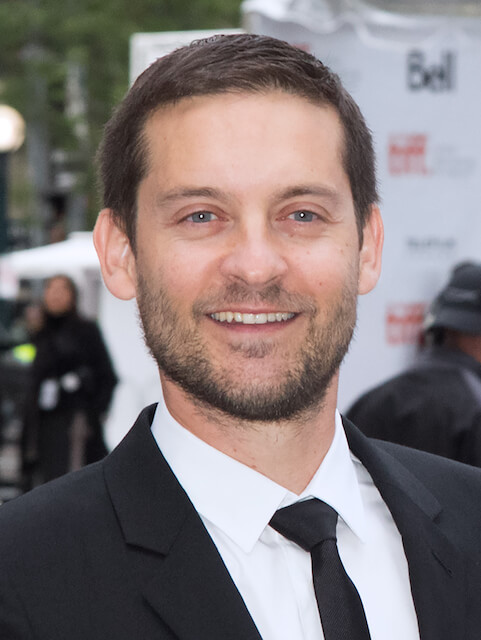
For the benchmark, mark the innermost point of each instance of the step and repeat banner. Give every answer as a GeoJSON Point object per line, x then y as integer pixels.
{"type": "Point", "coordinates": [418, 84]}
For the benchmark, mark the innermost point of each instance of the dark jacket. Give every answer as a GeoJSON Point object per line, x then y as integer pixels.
{"type": "Point", "coordinates": [71, 376]}
{"type": "Point", "coordinates": [117, 550]}
{"type": "Point", "coordinates": [434, 406]}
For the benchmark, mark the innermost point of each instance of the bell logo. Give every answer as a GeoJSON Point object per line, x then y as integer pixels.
{"type": "Point", "coordinates": [436, 77]}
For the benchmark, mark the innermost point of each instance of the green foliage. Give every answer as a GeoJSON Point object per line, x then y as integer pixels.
{"type": "Point", "coordinates": [42, 40]}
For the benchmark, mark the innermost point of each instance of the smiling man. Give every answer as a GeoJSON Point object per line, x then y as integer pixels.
{"type": "Point", "coordinates": [240, 211]}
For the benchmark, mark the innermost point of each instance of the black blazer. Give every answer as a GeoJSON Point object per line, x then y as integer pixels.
{"type": "Point", "coordinates": [117, 550]}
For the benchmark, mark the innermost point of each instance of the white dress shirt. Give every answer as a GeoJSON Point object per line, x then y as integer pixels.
{"type": "Point", "coordinates": [272, 573]}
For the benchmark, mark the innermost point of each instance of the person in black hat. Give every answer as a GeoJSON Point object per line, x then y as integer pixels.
{"type": "Point", "coordinates": [435, 406]}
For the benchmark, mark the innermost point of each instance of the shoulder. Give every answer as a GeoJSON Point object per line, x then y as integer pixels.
{"type": "Point", "coordinates": [430, 464]}
{"type": "Point", "coordinates": [53, 518]}
{"type": "Point", "coordinates": [432, 394]}
{"type": "Point", "coordinates": [454, 484]}
{"type": "Point", "coordinates": [77, 509]}
{"type": "Point", "coordinates": [61, 551]}
{"type": "Point", "coordinates": [415, 381]}
{"type": "Point", "coordinates": [69, 489]}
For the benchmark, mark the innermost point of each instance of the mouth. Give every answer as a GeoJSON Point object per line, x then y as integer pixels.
{"type": "Point", "coordinates": [237, 317]}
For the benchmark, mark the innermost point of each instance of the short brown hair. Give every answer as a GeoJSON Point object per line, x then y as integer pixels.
{"type": "Point", "coordinates": [243, 63]}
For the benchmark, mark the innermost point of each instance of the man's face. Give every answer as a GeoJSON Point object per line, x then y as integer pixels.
{"type": "Point", "coordinates": [247, 254]}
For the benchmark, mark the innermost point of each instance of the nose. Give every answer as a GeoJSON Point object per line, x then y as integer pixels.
{"type": "Point", "coordinates": [255, 257]}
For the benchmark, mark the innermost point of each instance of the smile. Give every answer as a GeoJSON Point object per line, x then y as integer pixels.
{"type": "Point", "coordinates": [251, 318]}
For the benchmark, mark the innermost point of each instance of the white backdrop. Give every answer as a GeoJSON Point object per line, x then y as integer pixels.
{"type": "Point", "coordinates": [419, 87]}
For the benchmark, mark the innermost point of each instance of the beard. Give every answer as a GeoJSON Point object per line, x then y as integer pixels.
{"type": "Point", "coordinates": [299, 384]}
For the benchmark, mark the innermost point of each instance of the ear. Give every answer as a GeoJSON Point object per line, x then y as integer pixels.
{"type": "Point", "coordinates": [371, 252]}
{"type": "Point", "coordinates": [116, 258]}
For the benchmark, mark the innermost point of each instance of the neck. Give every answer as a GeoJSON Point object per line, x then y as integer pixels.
{"type": "Point", "coordinates": [288, 452]}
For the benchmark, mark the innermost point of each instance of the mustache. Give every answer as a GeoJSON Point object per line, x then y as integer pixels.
{"type": "Point", "coordinates": [237, 293]}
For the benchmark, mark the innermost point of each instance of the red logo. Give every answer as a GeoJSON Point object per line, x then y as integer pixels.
{"type": "Point", "coordinates": [404, 323]}
{"type": "Point", "coordinates": [407, 154]}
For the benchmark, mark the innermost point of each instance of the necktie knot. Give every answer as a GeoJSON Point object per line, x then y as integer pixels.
{"type": "Point", "coordinates": [307, 523]}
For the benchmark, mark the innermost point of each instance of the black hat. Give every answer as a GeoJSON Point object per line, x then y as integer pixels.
{"type": "Point", "coordinates": [458, 306]}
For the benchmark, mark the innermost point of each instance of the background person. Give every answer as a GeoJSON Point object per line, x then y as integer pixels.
{"type": "Point", "coordinates": [71, 385]}
{"type": "Point", "coordinates": [435, 405]}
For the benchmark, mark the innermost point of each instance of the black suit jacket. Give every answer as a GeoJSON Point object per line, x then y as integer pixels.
{"type": "Point", "coordinates": [117, 550]}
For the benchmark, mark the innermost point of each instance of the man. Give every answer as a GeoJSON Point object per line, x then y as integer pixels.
{"type": "Point", "coordinates": [435, 405]}
{"type": "Point", "coordinates": [240, 211]}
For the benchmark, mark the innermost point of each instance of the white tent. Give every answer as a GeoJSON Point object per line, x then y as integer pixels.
{"type": "Point", "coordinates": [75, 257]}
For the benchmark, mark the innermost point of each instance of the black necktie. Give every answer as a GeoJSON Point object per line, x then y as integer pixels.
{"type": "Point", "coordinates": [312, 525]}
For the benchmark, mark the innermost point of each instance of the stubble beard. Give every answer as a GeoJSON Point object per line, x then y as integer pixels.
{"type": "Point", "coordinates": [299, 387]}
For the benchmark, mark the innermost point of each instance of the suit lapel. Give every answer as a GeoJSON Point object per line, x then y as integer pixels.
{"type": "Point", "coordinates": [194, 594]}
{"type": "Point", "coordinates": [181, 574]}
{"type": "Point", "coordinates": [436, 568]}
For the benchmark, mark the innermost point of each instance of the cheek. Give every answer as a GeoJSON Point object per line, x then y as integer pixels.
{"type": "Point", "coordinates": [324, 271]}
{"type": "Point", "coordinates": [183, 276]}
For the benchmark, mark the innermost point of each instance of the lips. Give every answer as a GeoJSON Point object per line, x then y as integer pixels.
{"type": "Point", "coordinates": [236, 317]}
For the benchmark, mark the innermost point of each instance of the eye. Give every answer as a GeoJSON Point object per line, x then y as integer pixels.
{"type": "Point", "coordinates": [201, 216]}
{"type": "Point", "coordinates": [303, 216]}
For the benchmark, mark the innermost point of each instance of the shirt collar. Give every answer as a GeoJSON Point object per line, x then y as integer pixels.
{"type": "Point", "coordinates": [243, 503]}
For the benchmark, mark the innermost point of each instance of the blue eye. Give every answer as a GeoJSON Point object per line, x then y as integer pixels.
{"type": "Point", "coordinates": [202, 216]}
{"type": "Point", "coordinates": [303, 216]}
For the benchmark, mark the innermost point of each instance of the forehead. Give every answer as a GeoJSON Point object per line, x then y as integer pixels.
{"type": "Point", "coordinates": [263, 131]}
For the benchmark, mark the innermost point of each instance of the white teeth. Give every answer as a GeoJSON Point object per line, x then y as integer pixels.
{"type": "Point", "coordinates": [250, 318]}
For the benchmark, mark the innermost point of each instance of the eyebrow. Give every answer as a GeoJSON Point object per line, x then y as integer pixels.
{"type": "Point", "coordinates": [297, 191]}
{"type": "Point", "coordinates": [188, 192]}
